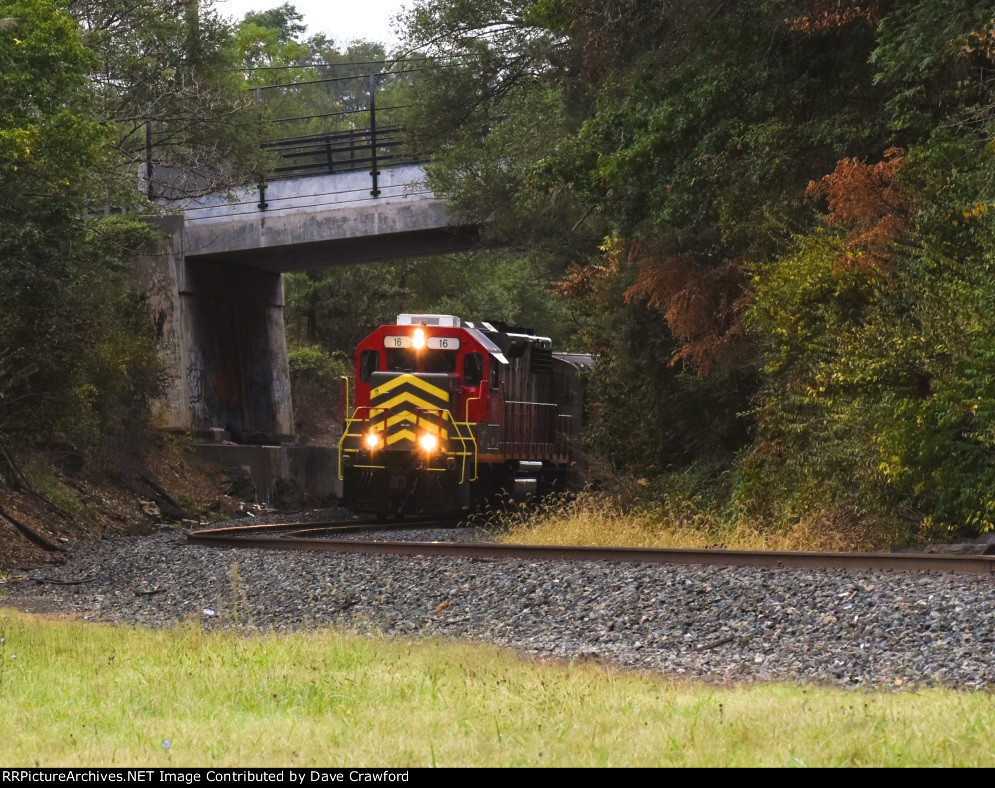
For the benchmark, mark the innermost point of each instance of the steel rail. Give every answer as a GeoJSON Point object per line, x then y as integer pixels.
{"type": "Point", "coordinates": [335, 526]}
{"type": "Point", "coordinates": [891, 562]}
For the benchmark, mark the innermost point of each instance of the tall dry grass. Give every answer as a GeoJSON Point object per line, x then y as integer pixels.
{"type": "Point", "coordinates": [625, 518]}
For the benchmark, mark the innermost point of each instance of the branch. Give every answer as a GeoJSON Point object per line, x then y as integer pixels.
{"type": "Point", "coordinates": [32, 535]}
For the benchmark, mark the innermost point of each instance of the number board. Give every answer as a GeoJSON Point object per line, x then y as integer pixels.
{"type": "Point", "coordinates": [433, 343]}
{"type": "Point", "coordinates": [443, 343]}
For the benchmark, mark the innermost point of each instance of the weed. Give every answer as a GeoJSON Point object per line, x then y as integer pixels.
{"type": "Point", "coordinates": [186, 502]}
{"type": "Point", "coordinates": [239, 599]}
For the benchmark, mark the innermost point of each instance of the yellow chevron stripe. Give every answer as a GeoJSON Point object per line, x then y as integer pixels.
{"type": "Point", "coordinates": [409, 415]}
{"type": "Point", "coordinates": [414, 380]}
{"type": "Point", "coordinates": [400, 380]}
{"type": "Point", "coordinates": [408, 398]}
{"type": "Point", "coordinates": [403, 435]}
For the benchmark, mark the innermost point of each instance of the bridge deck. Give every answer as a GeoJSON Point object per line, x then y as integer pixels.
{"type": "Point", "coordinates": [323, 220]}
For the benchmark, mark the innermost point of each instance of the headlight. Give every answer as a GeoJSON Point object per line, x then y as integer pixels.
{"type": "Point", "coordinates": [428, 442]}
{"type": "Point", "coordinates": [372, 440]}
{"type": "Point", "coordinates": [418, 339]}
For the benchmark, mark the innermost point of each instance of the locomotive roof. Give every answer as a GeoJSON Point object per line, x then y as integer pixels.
{"type": "Point", "coordinates": [579, 360]}
{"type": "Point", "coordinates": [483, 339]}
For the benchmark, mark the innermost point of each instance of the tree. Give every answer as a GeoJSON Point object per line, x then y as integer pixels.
{"type": "Point", "coordinates": [337, 307]}
{"type": "Point", "coordinates": [676, 138]}
{"type": "Point", "coordinates": [77, 359]}
{"type": "Point", "coordinates": [166, 77]}
{"type": "Point", "coordinates": [799, 190]}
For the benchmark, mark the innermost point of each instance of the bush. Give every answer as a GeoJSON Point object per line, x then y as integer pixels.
{"type": "Point", "coordinates": [78, 350]}
{"type": "Point", "coordinates": [315, 380]}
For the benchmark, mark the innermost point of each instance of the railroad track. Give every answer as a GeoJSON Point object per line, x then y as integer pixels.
{"type": "Point", "coordinates": [288, 531]}
{"type": "Point", "coordinates": [289, 537]}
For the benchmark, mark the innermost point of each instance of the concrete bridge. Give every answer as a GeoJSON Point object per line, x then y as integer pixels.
{"type": "Point", "coordinates": [352, 193]}
{"type": "Point", "coordinates": [323, 220]}
{"type": "Point", "coordinates": [216, 288]}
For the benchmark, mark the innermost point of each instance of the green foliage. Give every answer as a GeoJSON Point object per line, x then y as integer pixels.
{"type": "Point", "coordinates": [163, 79]}
{"type": "Point", "coordinates": [315, 379]}
{"type": "Point", "coordinates": [78, 360]}
{"type": "Point", "coordinates": [921, 58]}
{"type": "Point", "coordinates": [879, 391]}
{"type": "Point", "coordinates": [491, 286]}
{"type": "Point", "coordinates": [336, 308]}
{"type": "Point", "coordinates": [78, 348]}
{"type": "Point", "coordinates": [285, 20]}
{"type": "Point", "coordinates": [691, 132]}
{"type": "Point", "coordinates": [310, 85]}
{"type": "Point", "coordinates": [310, 362]}
{"type": "Point", "coordinates": [48, 140]}
{"type": "Point", "coordinates": [47, 484]}
{"type": "Point", "coordinates": [648, 416]}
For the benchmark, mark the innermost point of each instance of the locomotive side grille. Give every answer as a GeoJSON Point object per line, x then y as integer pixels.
{"type": "Point", "coordinates": [542, 360]}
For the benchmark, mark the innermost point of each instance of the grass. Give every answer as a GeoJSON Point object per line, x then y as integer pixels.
{"type": "Point", "coordinates": [46, 484]}
{"type": "Point", "coordinates": [600, 519]}
{"type": "Point", "coordinates": [86, 694]}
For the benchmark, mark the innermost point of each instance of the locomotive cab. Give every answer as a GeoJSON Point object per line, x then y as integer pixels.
{"type": "Point", "coordinates": [444, 418]}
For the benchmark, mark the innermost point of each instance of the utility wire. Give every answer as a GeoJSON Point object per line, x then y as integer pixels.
{"type": "Point", "coordinates": [364, 111]}
{"type": "Point", "coordinates": [346, 64]}
{"type": "Point", "coordinates": [332, 79]}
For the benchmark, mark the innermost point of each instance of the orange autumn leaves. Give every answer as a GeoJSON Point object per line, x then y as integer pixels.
{"type": "Point", "coordinates": [703, 304]}
{"type": "Point", "coordinates": [828, 15]}
{"type": "Point", "coordinates": [864, 199]}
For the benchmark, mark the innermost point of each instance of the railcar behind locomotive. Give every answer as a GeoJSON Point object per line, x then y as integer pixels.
{"type": "Point", "coordinates": [449, 414]}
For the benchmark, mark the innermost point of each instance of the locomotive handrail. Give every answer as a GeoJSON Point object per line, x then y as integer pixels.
{"type": "Point", "coordinates": [448, 416]}
{"type": "Point", "coordinates": [467, 451]}
{"type": "Point", "coordinates": [344, 379]}
{"type": "Point", "coordinates": [466, 407]}
{"type": "Point", "coordinates": [346, 434]}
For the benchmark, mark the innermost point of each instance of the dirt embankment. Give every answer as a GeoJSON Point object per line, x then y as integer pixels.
{"type": "Point", "coordinates": [48, 509]}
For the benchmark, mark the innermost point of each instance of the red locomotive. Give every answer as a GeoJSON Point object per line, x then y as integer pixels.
{"type": "Point", "coordinates": [449, 414]}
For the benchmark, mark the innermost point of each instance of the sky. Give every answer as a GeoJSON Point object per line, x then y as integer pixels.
{"type": "Point", "coordinates": [342, 20]}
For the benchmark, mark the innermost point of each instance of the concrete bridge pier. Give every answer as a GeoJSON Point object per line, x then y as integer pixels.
{"type": "Point", "coordinates": [222, 338]}
{"type": "Point", "coordinates": [237, 377]}
{"type": "Point", "coordinates": [221, 329]}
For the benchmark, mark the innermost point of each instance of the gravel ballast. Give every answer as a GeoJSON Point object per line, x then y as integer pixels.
{"type": "Point", "coordinates": [712, 623]}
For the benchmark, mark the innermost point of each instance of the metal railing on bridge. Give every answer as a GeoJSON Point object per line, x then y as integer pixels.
{"type": "Point", "coordinates": [355, 149]}
{"type": "Point", "coordinates": [360, 132]}
{"type": "Point", "coordinates": [338, 151]}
